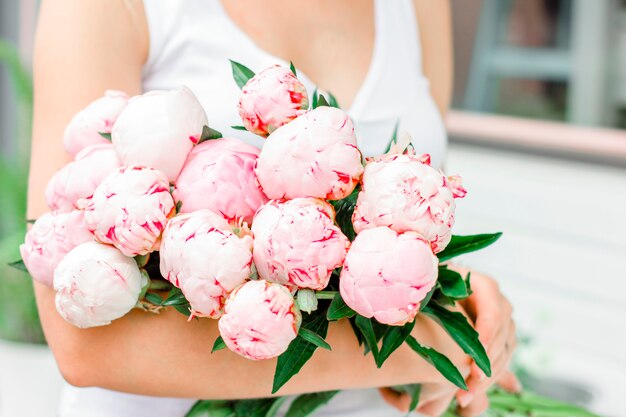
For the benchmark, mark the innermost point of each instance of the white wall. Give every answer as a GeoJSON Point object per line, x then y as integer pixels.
{"type": "Point", "coordinates": [562, 260]}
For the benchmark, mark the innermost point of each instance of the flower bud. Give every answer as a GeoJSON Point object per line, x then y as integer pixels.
{"type": "Point", "coordinates": [96, 284]}
{"type": "Point", "coordinates": [260, 320]}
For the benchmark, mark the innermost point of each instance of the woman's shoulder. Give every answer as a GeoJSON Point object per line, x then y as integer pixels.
{"type": "Point", "coordinates": [101, 24]}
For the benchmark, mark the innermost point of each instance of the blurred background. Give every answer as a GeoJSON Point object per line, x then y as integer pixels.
{"type": "Point", "coordinates": [537, 131]}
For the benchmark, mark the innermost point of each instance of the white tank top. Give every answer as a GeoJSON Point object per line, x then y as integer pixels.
{"type": "Point", "coordinates": [191, 42]}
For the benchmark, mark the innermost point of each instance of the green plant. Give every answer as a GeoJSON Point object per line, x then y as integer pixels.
{"type": "Point", "coordinates": [18, 313]}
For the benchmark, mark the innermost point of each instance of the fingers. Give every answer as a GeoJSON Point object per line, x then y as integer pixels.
{"type": "Point", "coordinates": [398, 400]}
{"type": "Point", "coordinates": [436, 407]}
{"type": "Point", "coordinates": [478, 405]}
{"type": "Point", "coordinates": [509, 382]}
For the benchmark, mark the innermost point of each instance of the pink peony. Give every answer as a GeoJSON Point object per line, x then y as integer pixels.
{"type": "Point", "coordinates": [271, 99]}
{"type": "Point", "coordinates": [129, 209]}
{"type": "Point", "coordinates": [158, 129]}
{"type": "Point", "coordinates": [219, 175]}
{"type": "Point", "coordinates": [315, 155]}
{"type": "Point", "coordinates": [202, 256]}
{"type": "Point", "coordinates": [297, 243]}
{"type": "Point", "coordinates": [386, 275]}
{"type": "Point", "coordinates": [99, 117]}
{"type": "Point", "coordinates": [78, 179]}
{"type": "Point", "coordinates": [51, 237]}
{"type": "Point", "coordinates": [96, 284]}
{"type": "Point", "coordinates": [260, 320]}
{"type": "Point", "coordinates": [406, 194]}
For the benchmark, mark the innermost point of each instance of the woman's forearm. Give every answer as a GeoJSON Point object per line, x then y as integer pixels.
{"type": "Point", "coordinates": [164, 355]}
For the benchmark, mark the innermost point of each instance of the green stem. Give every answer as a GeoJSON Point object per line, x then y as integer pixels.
{"type": "Point", "coordinates": [325, 295]}
{"type": "Point", "coordinates": [159, 285]}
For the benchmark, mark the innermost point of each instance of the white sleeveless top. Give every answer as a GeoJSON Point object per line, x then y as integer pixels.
{"type": "Point", "coordinates": [190, 44]}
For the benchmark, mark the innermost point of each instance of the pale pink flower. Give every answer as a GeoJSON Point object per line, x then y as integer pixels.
{"type": "Point", "coordinates": [129, 209]}
{"type": "Point", "coordinates": [158, 129]}
{"type": "Point", "coordinates": [219, 175]}
{"type": "Point", "coordinates": [270, 99]}
{"type": "Point", "coordinates": [406, 194]}
{"type": "Point", "coordinates": [202, 256]}
{"type": "Point", "coordinates": [296, 242]}
{"type": "Point", "coordinates": [315, 155]}
{"type": "Point", "coordinates": [387, 275]}
{"type": "Point", "coordinates": [98, 117]}
{"type": "Point", "coordinates": [260, 320]}
{"type": "Point", "coordinates": [51, 237]}
{"type": "Point", "coordinates": [96, 284]}
{"type": "Point", "coordinates": [455, 183]}
{"type": "Point", "coordinates": [79, 179]}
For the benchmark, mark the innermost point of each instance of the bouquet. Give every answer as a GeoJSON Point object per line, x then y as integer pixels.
{"type": "Point", "coordinates": [158, 210]}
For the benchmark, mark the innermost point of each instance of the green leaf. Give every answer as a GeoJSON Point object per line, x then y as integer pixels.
{"type": "Point", "coordinates": [175, 298]}
{"type": "Point", "coordinates": [211, 408]}
{"type": "Point", "coordinates": [218, 345]}
{"type": "Point", "coordinates": [344, 209]}
{"type": "Point", "coordinates": [338, 309]}
{"type": "Point", "coordinates": [179, 206]}
{"type": "Point", "coordinates": [314, 338]}
{"type": "Point", "coordinates": [306, 404]}
{"type": "Point", "coordinates": [464, 244]}
{"type": "Point", "coordinates": [19, 265]}
{"type": "Point", "coordinates": [154, 298]}
{"type": "Point", "coordinates": [241, 73]}
{"type": "Point", "coordinates": [321, 101]}
{"type": "Point", "coordinates": [414, 391]}
{"type": "Point", "coordinates": [31, 221]}
{"type": "Point", "coordinates": [456, 325]}
{"type": "Point", "coordinates": [273, 410]}
{"type": "Point", "coordinates": [468, 283]}
{"type": "Point", "coordinates": [238, 127]}
{"type": "Point", "coordinates": [332, 101]}
{"type": "Point", "coordinates": [299, 350]}
{"type": "Point", "coordinates": [526, 404]}
{"type": "Point", "coordinates": [183, 309]}
{"type": "Point", "coordinates": [367, 330]}
{"type": "Point", "coordinates": [428, 297]}
{"type": "Point", "coordinates": [314, 99]}
{"type": "Point", "coordinates": [258, 407]}
{"type": "Point", "coordinates": [439, 361]}
{"type": "Point", "coordinates": [293, 68]}
{"type": "Point", "coordinates": [393, 338]}
{"type": "Point", "coordinates": [452, 284]}
{"type": "Point", "coordinates": [107, 136]}
{"type": "Point", "coordinates": [209, 134]}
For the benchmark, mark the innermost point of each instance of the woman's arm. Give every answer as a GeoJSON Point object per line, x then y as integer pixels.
{"type": "Point", "coordinates": [83, 48]}
{"type": "Point", "coordinates": [435, 31]}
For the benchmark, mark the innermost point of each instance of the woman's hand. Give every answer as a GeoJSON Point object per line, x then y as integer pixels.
{"type": "Point", "coordinates": [492, 316]}
{"type": "Point", "coordinates": [435, 398]}
{"type": "Point", "coordinates": [491, 313]}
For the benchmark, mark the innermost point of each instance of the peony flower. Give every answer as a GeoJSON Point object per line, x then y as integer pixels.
{"type": "Point", "coordinates": [98, 117]}
{"type": "Point", "coordinates": [260, 320]}
{"type": "Point", "coordinates": [51, 237]}
{"type": "Point", "coordinates": [315, 155]}
{"type": "Point", "coordinates": [297, 243]}
{"type": "Point", "coordinates": [96, 284]}
{"type": "Point", "coordinates": [129, 209]}
{"type": "Point", "coordinates": [406, 194]}
{"type": "Point", "coordinates": [158, 129]}
{"type": "Point", "coordinates": [78, 179]}
{"type": "Point", "coordinates": [386, 275]}
{"type": "Point", "coordinates": [219, 175]}
{"type": "Point", "coordinates": [202, 256]}
{"type": "Point", "coordinates": [271, 99]}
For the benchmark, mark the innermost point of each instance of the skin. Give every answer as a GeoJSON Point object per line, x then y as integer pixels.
{"type": "Point", "coordinates": [83, 48]}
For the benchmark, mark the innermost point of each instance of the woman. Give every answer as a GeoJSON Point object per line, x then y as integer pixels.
{"type": "Point", "coordinates": [369, 54]}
